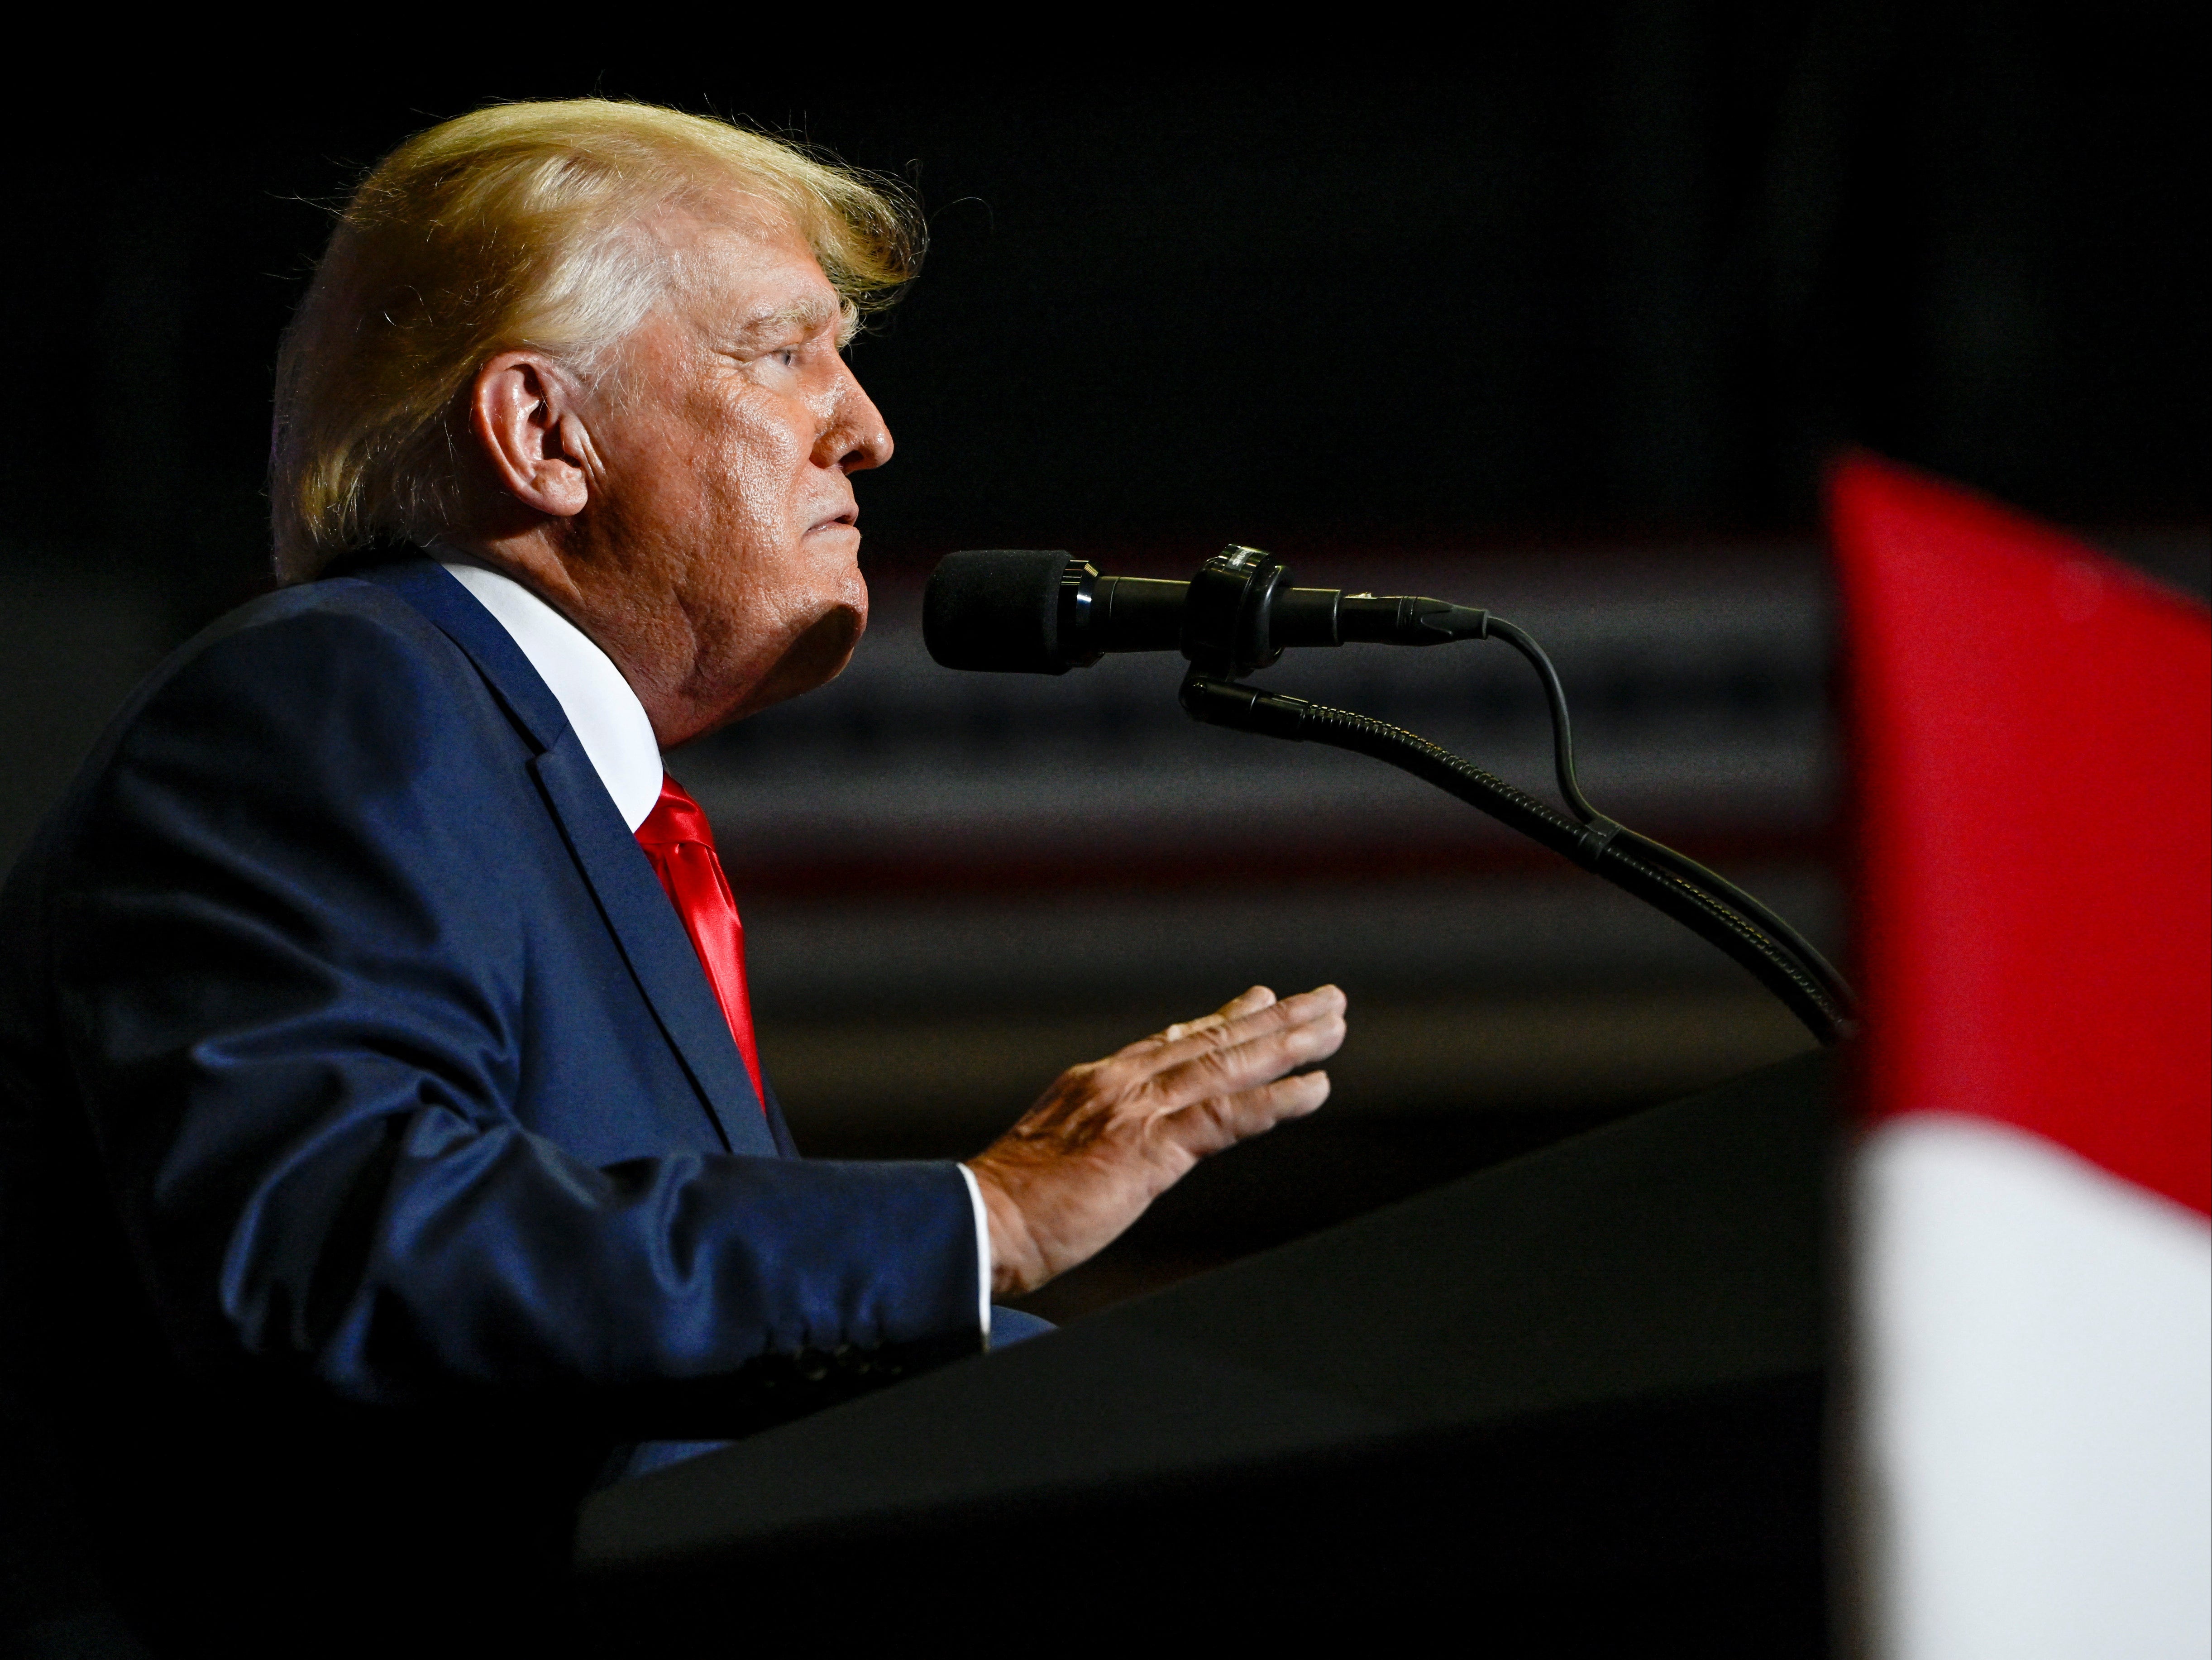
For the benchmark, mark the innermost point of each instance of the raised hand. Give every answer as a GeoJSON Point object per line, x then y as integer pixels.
{"type": "Point", "coordinates": [1109, 1136]}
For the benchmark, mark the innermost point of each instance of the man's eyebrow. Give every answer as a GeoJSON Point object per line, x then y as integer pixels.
{"type": "Point", "coordinates": [807, 316]}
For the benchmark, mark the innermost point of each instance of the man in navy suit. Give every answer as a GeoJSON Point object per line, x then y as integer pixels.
{"type": "Point", "coordinates": [387, 1158]}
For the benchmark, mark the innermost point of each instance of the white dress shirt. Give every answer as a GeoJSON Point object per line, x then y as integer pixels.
{"type": "Point", "coordinates": [617, 737]}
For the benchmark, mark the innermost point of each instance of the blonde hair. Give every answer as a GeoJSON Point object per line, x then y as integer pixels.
{"type": "Point", "coordinates": [518, 225]}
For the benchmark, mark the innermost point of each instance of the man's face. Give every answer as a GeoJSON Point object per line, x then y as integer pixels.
{"type": "Point", "coordinates": [721, 524]}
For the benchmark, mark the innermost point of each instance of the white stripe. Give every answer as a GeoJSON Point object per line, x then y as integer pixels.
{"type": "Point", "coordinates": [2034, 1448]}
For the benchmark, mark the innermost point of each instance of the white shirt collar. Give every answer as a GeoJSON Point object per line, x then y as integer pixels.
{"type": "Point", "coordinates": [603, 711]}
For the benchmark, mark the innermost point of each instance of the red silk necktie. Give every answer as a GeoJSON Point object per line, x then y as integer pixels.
{"type": "Point", "coordinates": [677, 839]}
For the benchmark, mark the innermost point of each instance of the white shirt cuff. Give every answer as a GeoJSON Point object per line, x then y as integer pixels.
{"type": "Point", "coordinates": [983, 1251]}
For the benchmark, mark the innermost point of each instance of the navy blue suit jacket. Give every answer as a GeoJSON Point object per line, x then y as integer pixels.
{"type": "Point", "coordinates": [369, 1104]}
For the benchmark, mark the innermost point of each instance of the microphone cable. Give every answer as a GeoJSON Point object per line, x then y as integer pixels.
{"type": "Point", "coordinates": [1680, 864]}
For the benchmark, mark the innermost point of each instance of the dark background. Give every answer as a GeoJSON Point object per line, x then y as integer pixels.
{"type": "Point", "coordinates": [1640, 267]}
{"type": "Point", "coordinates": [1613, 284]}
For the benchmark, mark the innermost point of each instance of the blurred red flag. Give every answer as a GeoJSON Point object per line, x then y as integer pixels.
{"type": "Point", "coordinates": [2031, 1376]}
{"type": "Point", "coordinates": [2032, 736]}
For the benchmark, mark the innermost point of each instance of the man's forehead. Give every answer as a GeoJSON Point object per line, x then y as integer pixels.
{"type": "Point", "coordinates": [753, 269]}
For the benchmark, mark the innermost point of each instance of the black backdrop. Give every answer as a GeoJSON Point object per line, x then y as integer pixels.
{"type": "Point", "coordinates": [1636, 267]}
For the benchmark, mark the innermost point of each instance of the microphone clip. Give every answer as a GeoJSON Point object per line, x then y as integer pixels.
{"type": "Point", "coordinates": [1242, 611]}
{"type": "Point", "coordinates": [1225, 633]}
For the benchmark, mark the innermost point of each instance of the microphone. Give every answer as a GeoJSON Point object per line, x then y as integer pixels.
{"type": "Point", "coordinates": [1027, 611]}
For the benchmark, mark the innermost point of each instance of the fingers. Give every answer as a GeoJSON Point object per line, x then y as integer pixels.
{"type": "Point", "coordinates": [1255, 1048]}
{"type": "Point", "coordinates": [1207, 1127]}
{"type": "Point", "coordinates": [1245, 1002]}
{"type": "Point", "coordinates": [1246, 1068]}
{"type": "Point", "coordinates": [1249, 1002]}
{"type": "Point", "coordinates": [1235, 1022]}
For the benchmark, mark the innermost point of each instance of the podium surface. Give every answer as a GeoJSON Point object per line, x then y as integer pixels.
{"type": "Point", "coordinates": [1583, 1388]}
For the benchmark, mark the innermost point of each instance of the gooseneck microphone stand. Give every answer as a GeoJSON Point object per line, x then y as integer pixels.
{"type": "Point", "coordinates": [1226, 637]}
{"type": "Point", "coordinates": [1042, 612]}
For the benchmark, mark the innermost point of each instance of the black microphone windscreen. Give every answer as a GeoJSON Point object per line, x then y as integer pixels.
{"type": "Point", "coordinates": [995, 609]}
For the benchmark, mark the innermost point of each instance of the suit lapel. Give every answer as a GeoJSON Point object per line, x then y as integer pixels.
{"type": "Point", "coordinates": [653, 939]}
{"type": "Point", "coordinates": [644, 924]}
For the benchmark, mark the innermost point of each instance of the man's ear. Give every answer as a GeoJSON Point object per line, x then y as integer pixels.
{"type": "Point", "coordinates": [523, 412]}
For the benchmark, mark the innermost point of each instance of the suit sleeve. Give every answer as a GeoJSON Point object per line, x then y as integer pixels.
{"type": "Point", "coordinates": [285, 972]}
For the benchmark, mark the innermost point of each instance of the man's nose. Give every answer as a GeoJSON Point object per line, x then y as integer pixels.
{"type": "Point", "coordinates": [856, 438]}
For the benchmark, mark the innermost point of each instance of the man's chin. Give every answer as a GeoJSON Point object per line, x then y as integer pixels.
{"type": "Point", "coordinates": [814, 659]}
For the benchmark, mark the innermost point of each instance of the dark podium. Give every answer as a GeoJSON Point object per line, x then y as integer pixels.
{"type": "Point", "coordinates": [1572, 1404]}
